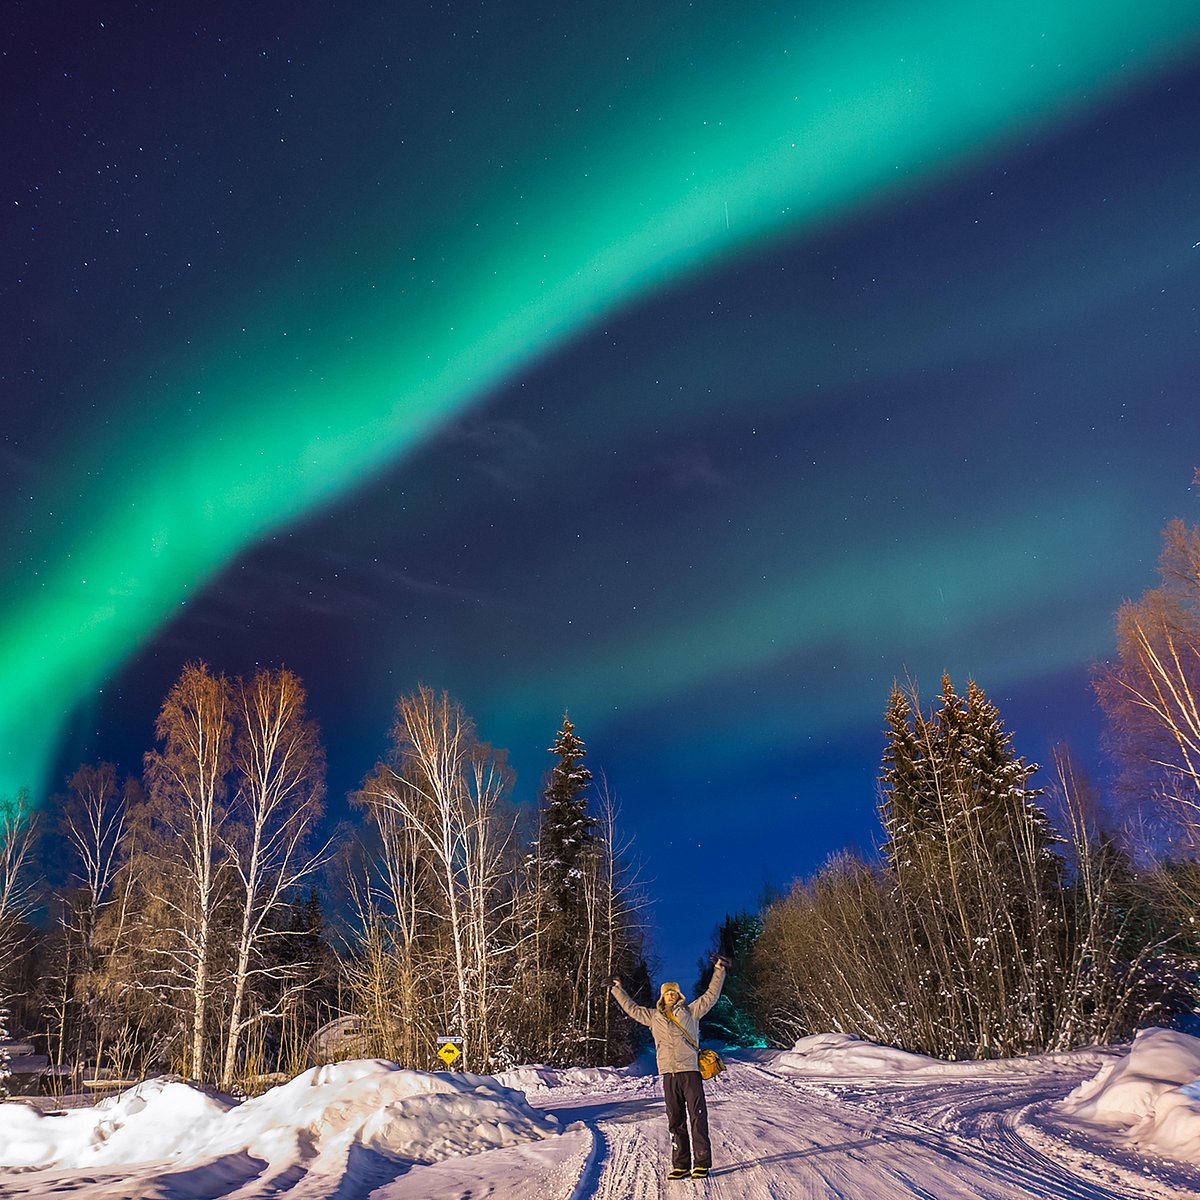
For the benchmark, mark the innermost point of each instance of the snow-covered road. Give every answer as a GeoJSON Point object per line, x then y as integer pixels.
{"type": "Point", "coordinates": [784, 1139]}
{"type": "Point", "coordinates": [989, 1132]}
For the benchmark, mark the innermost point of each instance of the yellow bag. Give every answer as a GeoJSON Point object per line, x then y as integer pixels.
{"type": "Point", "coordinates": [709, 1060]}
{"type": "Point", "coordinates": [710, 1064]}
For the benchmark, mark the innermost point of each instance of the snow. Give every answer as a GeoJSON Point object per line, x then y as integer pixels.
{"type": "Point", "coordinates": [831, 1116]}
{"type": "Point", "coordinates": [844, 1054]}
{"type": "Point", "coordinates": [540, 1078]}
{"type": "Point", "coordinates": [409, 1116]}
{"type": "Point", "coordinates": [1150, 1097]}
{"type": "Point", "coordinates": [155, 1120]}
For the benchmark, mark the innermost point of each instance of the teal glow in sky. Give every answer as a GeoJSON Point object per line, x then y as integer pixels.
{"type": "Point", "coordinates": [288, 395]}
{"type": "Point", "coordinates": [699, 371]}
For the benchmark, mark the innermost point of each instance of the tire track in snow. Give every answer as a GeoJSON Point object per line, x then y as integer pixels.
{"type": "Point", "coordinates": [771, 1148]}
{"type": "Point", "coordinates": [589, 1172]}
{"type": "Point", "coordinates": [635, 1164]}
{"type": "Point", "coordinates": [1025, 1130]}
{"type": "Point", "coordinates": [960, 1121]}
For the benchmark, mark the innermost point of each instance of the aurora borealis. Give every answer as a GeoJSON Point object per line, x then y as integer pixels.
{"type": "Point", "coordinates": [699, 371]}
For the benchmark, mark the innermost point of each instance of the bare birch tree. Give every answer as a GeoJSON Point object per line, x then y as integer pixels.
{"type": "Point", "coordinates": [18, 836]}
{"type": "Point", "coordinates": [387, 970]}
{"type": "Point", "coordinates": [187, 782]}
{"type": "Point", "coordinates": [1151, 692]}
{"type": "Point", "coordinates": [279, 769]}
{"type": "Point", "coordinates": [92, 822]}
{"type": "Point", "coordinates": [619, 936]}
{"type": "Point", "coordinates": [438, 807]}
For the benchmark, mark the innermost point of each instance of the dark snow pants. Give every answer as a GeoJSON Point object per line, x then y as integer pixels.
{"type": "Point", "coordinates": [684, 1093]}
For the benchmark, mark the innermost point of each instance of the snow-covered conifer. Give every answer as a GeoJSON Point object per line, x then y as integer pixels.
{"type": "Point", "coordinates": [972, 868]}
{"type": "Point", "coordinates": [566, 836]}
{"type": "Point", "coordinates": [577, 916]}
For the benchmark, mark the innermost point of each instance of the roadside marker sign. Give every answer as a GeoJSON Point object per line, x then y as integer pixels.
{"type": "Point", "coordinates": [449, 1049]}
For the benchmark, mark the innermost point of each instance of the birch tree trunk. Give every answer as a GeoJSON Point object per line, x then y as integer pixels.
{"type": "Point", "coordinates": [279, 776]}
{"type": "Point", "coordinates": [1151, 694]}
{"type": "Point", "coordinates": [187, 781]}
{"type": "Point", "coordinates": [93, 820]}
{"type": "Point", "coordinates": [18, 833]}
{"type": "Point", "coordinates": [443, 790]}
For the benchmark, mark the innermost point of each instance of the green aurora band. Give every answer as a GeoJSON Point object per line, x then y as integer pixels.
{"type": "Point", "coordinates": [290, 406]}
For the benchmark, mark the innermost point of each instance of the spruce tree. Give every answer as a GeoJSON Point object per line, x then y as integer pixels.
{"type": "Point", "coordinates": [731, 1019]}
{"type": "Point", "coordinates": [952, 773]}
{"type": "Point", "coordinates": [973, 871]}
{"type": "Point", "coordinates": [314, 969]}
{"type": "Point", "coordinates": [999, 780]}
{"type": "Point", "coordinates": [564, 866]}
{"type": "Point", "coordinates": [566, 838]}
{"type": "Point", "coordinates": [902, 779]}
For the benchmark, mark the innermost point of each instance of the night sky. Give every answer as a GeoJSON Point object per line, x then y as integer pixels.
{"type": "Point", "coordinates": [698, 367]}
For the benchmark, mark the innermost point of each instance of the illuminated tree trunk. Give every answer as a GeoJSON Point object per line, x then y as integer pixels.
{"type": "Point", "coordinates": [1151, 692]}
{"type": "Point", "coordinates": [279, 771]}
{"type": "Point", "coordinates": [18, 832]}
{"type": "Point", "coordinates": [187, 779]}
{"type": "Point", "coordinates": [443, 790]}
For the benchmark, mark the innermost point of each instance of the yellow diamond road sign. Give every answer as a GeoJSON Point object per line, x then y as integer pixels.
{"type": "Point", "coordinates": [448, 1052]}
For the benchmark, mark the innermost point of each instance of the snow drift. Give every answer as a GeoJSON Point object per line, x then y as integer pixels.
{"type": "Point", "coordinates": [845, 1054]}
{"type": "Point", "coordinates": [1151, 1095]}
{"type": "Point", "coordinates": [538, 1077]}
{"type": "Point", "coordinates": [317, 1118]}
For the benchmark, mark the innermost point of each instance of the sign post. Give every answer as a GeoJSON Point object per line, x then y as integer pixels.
{"type": "Point", "coordinates": [449, 1049]}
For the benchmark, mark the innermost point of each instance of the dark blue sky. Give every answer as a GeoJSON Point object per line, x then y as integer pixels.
{"type": "Point", "coordinates": [588, 402]}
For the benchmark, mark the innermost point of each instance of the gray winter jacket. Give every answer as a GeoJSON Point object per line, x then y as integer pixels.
{"type": "Point", "coordinates": [672, 1049]}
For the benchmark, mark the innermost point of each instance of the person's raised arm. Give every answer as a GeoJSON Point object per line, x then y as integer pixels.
{"type": "Point", "coordinates": [701, 1005]}
{"type": "Point", "coordinates": [638, 1012]}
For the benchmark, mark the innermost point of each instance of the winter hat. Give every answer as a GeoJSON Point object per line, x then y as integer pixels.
{"type": "Point", "coordinates": [669, 986]}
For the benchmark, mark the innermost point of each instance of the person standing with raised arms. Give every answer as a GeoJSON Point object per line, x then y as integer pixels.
{"type": "Point", "coordinates": [675, 1025]}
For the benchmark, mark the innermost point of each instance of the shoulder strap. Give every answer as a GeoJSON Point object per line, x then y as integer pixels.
{"type": "Point", "coordinates": [675, 1021]}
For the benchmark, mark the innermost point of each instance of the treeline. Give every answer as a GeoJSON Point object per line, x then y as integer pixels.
{"type": "Point", "coordinates": [196, 919]}
{"type": "Point", "coordinates": [1002, 918]}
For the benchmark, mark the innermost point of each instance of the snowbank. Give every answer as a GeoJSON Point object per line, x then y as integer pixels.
{"type": "Point", "coordinates": [540, 1078]}
{"type": "Point", "coordinates": [1151, 1095]}
{"type": "Point", "coordinates": [155, 1120]}
{"type": "Point", "coordinates": [316, 1118]}
{"type": "Point", "coordinates": [845, 1054]}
